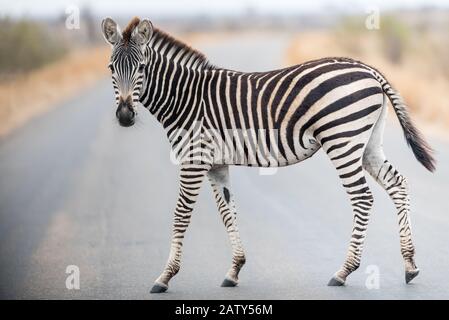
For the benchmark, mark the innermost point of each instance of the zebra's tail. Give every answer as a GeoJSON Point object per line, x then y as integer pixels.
{"type": "Point", "coordinates": [421, 149]}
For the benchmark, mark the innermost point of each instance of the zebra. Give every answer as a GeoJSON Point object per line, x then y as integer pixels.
{"type": "Point", "coordinates": [215, 117]}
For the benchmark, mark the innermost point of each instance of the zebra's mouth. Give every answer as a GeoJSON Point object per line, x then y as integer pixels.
{"type": "Point", "coordinates": [126, 123]}
{"type": "Point", "coordinates": [126, 118]}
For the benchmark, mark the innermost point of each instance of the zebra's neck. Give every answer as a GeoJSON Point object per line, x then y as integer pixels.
{"type": "Point", "coordinates": [175, 76]}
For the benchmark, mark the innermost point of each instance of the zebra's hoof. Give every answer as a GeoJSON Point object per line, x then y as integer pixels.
{"type": "Point", "coordinates": [159, 288]}
{"type": "Point", "coordinates": [335, 282]}
{"type": "Point", "coordinates": [410, 275]}
{"type": "Point", "coordinates": [228, 283]}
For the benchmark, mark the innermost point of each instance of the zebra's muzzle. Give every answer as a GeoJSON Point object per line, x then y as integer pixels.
{"type": "Point", "coordinates": [125, 114]}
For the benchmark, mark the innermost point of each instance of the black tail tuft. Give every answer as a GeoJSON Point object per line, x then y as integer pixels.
{"type": "Point", "coordinates": [423, 152]}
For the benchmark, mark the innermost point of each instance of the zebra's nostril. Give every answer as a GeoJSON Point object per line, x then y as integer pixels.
{"type": "Point", "coordinates": [125, 115]}
{"type": "Point", "coordinates": [126, 120]}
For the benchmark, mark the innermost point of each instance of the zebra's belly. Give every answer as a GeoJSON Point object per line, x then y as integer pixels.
{"type": "Point", "coordinates": [265, 151]}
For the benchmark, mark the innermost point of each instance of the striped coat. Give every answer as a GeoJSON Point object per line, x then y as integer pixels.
{"type": "Point", "coordinates": [216, 117]}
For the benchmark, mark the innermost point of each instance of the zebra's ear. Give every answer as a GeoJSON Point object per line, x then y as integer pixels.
{"type": "Point", "coordinates": [143, 32]}
{"type": "Point", "coordinates": [111, 31]}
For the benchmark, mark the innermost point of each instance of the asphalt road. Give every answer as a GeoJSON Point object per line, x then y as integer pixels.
{"type": "Point", "coordinates": [77, 189]}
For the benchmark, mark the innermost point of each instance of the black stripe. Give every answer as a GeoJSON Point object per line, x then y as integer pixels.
{"type": "Point", "coordinates": [317, 93]}
{"type": "Point", "coordinates": [337, 146]}
{"type": "Point", "coordinates": [349, 152]}
{"type": "Point", "coordinates": [352, 173]}
{"type": "Point", "coordinates": [303, 81]}
{"type": "Point", "coordinates": [338, 105]}
{"type": "Point", "coordinates": [351, 117]}
{"type": "Point", "coordinates": [345, 134]}
{"type": "Point", "coordinates": [347, 164]}
{"type": "Point", "coordinates": [360, 181]}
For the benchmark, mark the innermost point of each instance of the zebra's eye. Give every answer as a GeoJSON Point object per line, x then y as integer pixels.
{"type": "Point", "coordinates": [141, 67]}
{"type": "Point", "coordinates": [111, 67]}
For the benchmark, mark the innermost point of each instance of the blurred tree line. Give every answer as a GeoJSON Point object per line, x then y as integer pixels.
{"type": "Point", "coordinates": [393, 36]}
{"type": "Point", "coordinates": [26, 45]}
{"type": "Point", "coordinates": [425, 40]}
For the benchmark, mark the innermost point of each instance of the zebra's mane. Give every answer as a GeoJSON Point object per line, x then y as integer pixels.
{"type": "Point", "coordinates": [170, 47]}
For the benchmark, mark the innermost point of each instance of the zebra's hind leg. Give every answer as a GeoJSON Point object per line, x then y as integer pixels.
{"type": "Point", "coordinates": [347, 158]}
{"type": "Point", "coordinates": [191, 178]}
{"type": "Point", "coordinates": [395, 185]}
{"type": "Point", "coordinates": [219, 179]}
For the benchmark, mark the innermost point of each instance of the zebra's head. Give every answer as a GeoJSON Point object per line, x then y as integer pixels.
{"type": "Point", "coordinates": [127, 63]}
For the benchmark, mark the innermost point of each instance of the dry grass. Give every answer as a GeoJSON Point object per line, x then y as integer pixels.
{"type": "Point", "coordinates": [25, 96]}
{"type": "Point", "coordinates": [419, 77]}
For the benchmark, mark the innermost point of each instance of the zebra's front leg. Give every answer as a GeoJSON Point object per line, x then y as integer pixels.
{"type": "Point", "coordinates": [191, 178]}
{"type": "Point", "coordinates": [219, 179]}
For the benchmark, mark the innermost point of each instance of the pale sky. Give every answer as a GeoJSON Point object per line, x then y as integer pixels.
{"type": "Point", "coordinates": [40, 8]}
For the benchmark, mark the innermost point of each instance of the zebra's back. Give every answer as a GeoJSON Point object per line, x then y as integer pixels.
{"type": "Point", "coordinates": [282, 117]}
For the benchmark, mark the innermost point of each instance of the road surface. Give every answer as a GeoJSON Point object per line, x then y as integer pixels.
{"type": "Point", "coordinates": [78, 189]}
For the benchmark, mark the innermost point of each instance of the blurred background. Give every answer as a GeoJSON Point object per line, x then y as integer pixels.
{"type": "Point", "coordinates": [79, 192]}
{"type": "Point", "coordinates": [42, 43]}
